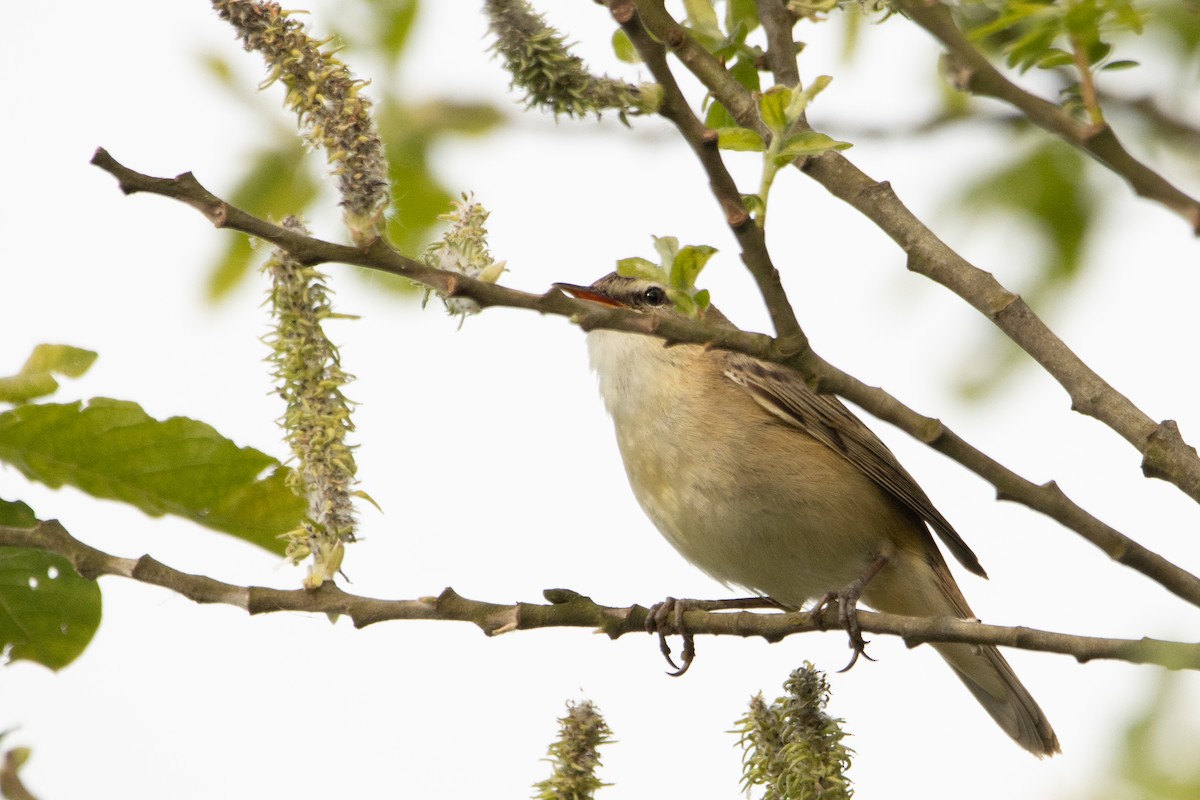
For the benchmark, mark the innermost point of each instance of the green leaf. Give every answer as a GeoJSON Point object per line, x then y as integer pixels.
{"type": "Point", "coordinates": [15, 514]}
{"type": "Point", "coordinates": [1046, 189]}
{"type": "Point", "coordinates": [1026, 50]}
{"type": "Point", "coordinates": [1117, 65]}
{"type": "Point", "coordinates": [753, 203]}
{"type": "Point", "coordinates": [807, 143]}
{"type": "Point", "coordinates": [702, 299]}
{"type": "Point", "coordinates": [1133, 18]}
{"type": "Point", "coordinates": [702, 17]}
{"type": "Point", "coordinates": [1098, 51]}
{"type": "Point", "coordinates": [231, 267]}
{"type": "Point", "coordinates": [62, 359]}
{"type": "Point", "coordinates": [745, 73]}
{"type": "Point", "coordinates": [741, 12]}
{"type": "Point", "coordinates": [22, 388]}
{"type": "Point", "coordinates": [419, 199]}
{"type": "Point", "coordinates": [718, 117]}
{"type": "Point", "coordinates": [677, 272]}
{"type": "Point", "coordinates": [1082, 19]}
{"type": "Point", "coordinates": [1055, 58]}
{"type": "Point", "coordinates": [36, 378]}
{"type": "Point", "coordinates": [688, 264]}
{"type": "Point", "coordinates": [393, 20]}
{"type": "Point", "coordinates": [1002, 23]}
{"type": "Point", "coordinates": [801, 99]}
{"type": "Point", "coordinates": [667, 247]}
{"type": "Point", "coordinates": [742, 139]}
{"type": "Point", "coordinates": [279, 182]}
{"type": "Point", "coordinates": [112, 449]}
{"type": "Point", "coordinates": [48, 612]}
{"type": "Point", "coordinates": [773, 108]}
{"type": "Point", "coordinates": [637, 267]}
{"type": "Point", "coordinates": [683, 303]}
{"type": "Point", "coordinates": [624, 48]}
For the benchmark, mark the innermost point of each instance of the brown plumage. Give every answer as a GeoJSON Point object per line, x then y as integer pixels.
{"type": "Point", "coordinates": [764, 484]}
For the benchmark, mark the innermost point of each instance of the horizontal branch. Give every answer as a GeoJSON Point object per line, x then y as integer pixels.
{"type": "Point", "coordinates": [973, 72]}
{"type": "Point", "coordinates": [568, 609]}
{"type": "Point", "coordinates": [1165, 454]}
{"type": "Point", "coordinates": [1047, 498]}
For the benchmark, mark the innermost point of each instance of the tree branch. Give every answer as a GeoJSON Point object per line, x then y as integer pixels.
{"type": "Point", "coordinates": [1047, 498]}
{"type": "Point", "coordinates": [568, 609]}
{"type": "Point", "coordinates": [972, 72]}
{"type": "Point", "coordinates": [703, 142]}
{"type": "Point", "coordinates": [1164, 452]}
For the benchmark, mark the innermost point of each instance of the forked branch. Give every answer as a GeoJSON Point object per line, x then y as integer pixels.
{"type": "Point", "coordinates": [1165, 454]}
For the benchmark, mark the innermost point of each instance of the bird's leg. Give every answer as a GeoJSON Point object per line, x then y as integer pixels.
{"type": "Point", "coordinates": [847, 598]}
{"type": "Point", "coordinates": [668, 616]}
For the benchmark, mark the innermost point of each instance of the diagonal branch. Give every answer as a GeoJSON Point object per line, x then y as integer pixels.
{"type": "Point", "coordinates": [703, 142]}
{"type": "Point", "coordinates": [568, 609]}
{"type": "Point", "coordinates": [1046, 498]}
{"type": "Point", "coordinates": [973, 72]}
{"type": "Point", "coordinates": [381, 256]}
{"type": "Point", "coordinates": [1165, 454]}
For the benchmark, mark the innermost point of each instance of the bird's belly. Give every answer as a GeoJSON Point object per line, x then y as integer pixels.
{"type": "Point", "coordinates": [760, 522]}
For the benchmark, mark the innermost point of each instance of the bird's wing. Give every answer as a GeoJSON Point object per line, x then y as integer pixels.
{"type": "Point", "coordinates": [824, 418]}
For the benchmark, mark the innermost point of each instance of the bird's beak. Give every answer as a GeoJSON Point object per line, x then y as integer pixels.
{"type": "Point", "coordinates": [587, 293]}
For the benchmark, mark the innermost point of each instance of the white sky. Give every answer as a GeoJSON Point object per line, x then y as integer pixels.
{"type": "Point", "coordinates": [490, 453]}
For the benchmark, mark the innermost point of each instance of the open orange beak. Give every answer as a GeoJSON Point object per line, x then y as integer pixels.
{"type": "Point", "coordinates": [587, 293]}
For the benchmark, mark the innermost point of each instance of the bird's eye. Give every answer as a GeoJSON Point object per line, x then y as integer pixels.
{"type": "Point", "coordinates": [655, 296]}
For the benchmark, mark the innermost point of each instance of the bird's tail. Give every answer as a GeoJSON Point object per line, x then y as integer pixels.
{"type": "Point", "coordinates": [989, 677]}
{"type": "Point", "coordinates": [920, 584]}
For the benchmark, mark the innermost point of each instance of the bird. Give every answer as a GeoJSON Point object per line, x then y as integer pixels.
{"type": "Point", "coordinates": [765, 484]}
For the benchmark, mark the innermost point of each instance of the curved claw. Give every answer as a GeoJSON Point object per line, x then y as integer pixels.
{"type": "Point", "coordinates": [657, 623]}
{"type": "Point", "coordinates": [669, 615]}
{"type": "Point", "coordinates": [847, 599]}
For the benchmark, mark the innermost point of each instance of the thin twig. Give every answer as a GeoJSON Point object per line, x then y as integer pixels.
{"type": "Point", "coordinates": [568, 609]}
{"type": "Point", "coordinates": [1047, 498]}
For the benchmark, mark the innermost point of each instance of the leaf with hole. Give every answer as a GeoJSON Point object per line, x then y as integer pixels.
{"type": "Point", "coordinates": [48, 612]}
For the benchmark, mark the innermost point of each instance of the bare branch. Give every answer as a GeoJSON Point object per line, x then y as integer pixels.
{"type": "Point", "coordinates": [777, 23]}
{"type": "Point", "coordinates": [568, 609]}
{"type": "Point", "coordinates": [1047, 498]}
{"type": "Point", "coordinates": [1164, 452]}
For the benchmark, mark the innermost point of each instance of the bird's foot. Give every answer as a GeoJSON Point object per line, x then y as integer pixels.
{"type": "Point", "coordinates": [847, 600]}
{"type": "Point", "coordinates": [667, 617]}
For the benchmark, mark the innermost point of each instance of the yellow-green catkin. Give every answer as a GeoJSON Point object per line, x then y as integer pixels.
{"type": "Point", "coordinates": [575, 755]}
{"type": "Point", "coordinates": [309, 376]}
{"type": "Point", "coordinates": [551, 76]}
{"type": "Point", "coordinates": [333, 112]}
{"type": "Point", "coordinates": [792, 747]}
{"type": "Point", "coordinates": [463, 249]}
